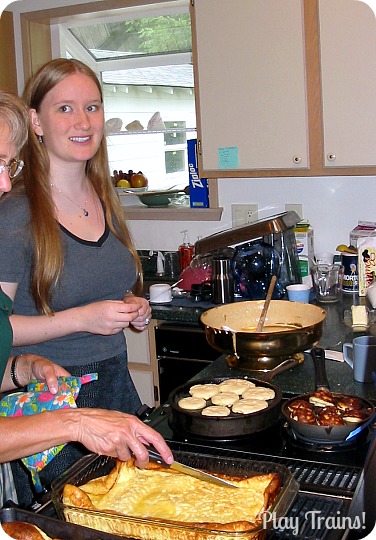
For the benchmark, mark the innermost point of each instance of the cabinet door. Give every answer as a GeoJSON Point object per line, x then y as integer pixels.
{"type": "Point", "coordinates": [250, 84]}
{"type": "Point", "coordinates": [348, 72]}
{"type": "Point", "coordinates": [137, 346]}
{"type": "Point", "coordinates": [142, 363]}
{"type": "Point", "coordinates": [144, 383]}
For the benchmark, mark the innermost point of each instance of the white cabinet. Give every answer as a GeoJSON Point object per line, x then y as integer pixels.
{"type": "Point", "coordinates": [285, 88]}
{"type": "Point", "coordinates": [348, 73]}
{"type": "Point", "coordinates": [142, 363]}
{"type": "Point", "coordinates": [250, 84]}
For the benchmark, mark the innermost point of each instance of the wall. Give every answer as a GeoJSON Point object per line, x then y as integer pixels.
{"type": "Point", "coordinates": [333, 205]}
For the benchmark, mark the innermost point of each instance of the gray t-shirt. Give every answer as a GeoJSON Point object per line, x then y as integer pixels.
{"type": "Point", "coordinates": [93, 271]}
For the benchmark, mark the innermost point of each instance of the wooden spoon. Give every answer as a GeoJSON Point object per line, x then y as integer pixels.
{"type": "Point", "coordinates": [266, 304]}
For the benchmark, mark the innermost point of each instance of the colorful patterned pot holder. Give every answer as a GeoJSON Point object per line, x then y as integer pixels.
{"type": "Point", "coordinates": [38, 399]}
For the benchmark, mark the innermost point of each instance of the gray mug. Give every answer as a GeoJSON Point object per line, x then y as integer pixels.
{"type": "Point", "coordinates": [362, 357]}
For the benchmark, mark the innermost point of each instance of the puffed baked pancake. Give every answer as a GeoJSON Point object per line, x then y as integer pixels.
{"type": "Point", "coordinates": [174, 499]}
{"type": "Point", "coordinates": [20, 530]}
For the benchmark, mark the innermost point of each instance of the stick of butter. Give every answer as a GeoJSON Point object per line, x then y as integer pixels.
{"type": "Point", "coordinates": [359, 316]}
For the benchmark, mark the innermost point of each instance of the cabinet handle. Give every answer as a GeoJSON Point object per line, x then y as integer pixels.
{"type": "Point", "coordinates": [297, 160]}
{"type": "Point", "coordinates": [331, 157]}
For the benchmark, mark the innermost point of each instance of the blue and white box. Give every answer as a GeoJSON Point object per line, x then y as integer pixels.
{"type": "Point", "coordinates": [198, 187]}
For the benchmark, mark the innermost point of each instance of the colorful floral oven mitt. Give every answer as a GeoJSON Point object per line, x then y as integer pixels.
{"type": "Point", "coordinates": [38, 399]}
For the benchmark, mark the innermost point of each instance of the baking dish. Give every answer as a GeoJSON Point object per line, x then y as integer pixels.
{"type": "Point", "coordinates": [93, 466]}
{"type": "Point", "coordinates": [55, 528]}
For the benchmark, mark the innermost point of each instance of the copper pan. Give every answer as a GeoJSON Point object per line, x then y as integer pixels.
{"type": "Point", "coordinates": [290, 328]}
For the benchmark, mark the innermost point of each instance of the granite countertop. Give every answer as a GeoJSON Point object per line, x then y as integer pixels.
{"type": "Point", "coordinates": [181, 310]}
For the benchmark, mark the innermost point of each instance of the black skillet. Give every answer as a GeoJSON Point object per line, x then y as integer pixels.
{"type": "Point", "coordinates": [235, 425]}
{"type": "Point", "coordinates": [325, 434]}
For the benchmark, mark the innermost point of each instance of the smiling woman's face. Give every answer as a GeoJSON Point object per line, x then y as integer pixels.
{"type": "Point", "coordinates": [8, 151]}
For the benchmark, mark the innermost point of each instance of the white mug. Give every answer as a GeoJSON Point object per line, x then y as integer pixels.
{"type": "Point", "coordinates": [160, 293]}
{"type": "Point", "coordinates": [362, 357]}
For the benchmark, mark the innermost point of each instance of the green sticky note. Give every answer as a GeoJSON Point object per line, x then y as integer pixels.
{"type": "Point", "coordinates": [228, 157]}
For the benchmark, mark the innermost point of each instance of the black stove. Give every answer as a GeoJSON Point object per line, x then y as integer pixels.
{"type": "Point", "coordinates": [328, 475]}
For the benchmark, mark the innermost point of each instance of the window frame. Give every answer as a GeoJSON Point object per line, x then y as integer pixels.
{"type": "Point", "coordinates": [42, 26]}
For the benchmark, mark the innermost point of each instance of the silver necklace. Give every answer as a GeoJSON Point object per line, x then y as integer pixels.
{"type": "Point", "coordinates": [84, 211]}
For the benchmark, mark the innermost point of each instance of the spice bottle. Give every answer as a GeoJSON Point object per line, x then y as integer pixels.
{"type": "Point", "coordinates": [186, 251]}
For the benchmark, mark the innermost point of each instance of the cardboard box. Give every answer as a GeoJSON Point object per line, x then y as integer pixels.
{"type": "Point", "coordinates": [304, 237]}
{"type": "Point", "coordinates": [364, 229]}
{"type": "Point", "coordinates": [198, 187]}
{"type": "Point", "coordinates": [366, 263]}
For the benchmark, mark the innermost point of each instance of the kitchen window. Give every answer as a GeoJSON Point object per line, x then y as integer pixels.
{"type": "Point", "coordinates": [143, 58]}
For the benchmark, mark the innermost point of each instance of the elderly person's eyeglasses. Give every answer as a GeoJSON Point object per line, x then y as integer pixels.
{"type": "Point", "coordinates": [14, 167]}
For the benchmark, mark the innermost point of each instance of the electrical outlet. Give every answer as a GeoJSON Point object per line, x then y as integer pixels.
{"type": "Point", "coordinates": [242, 214]}
{"type": "Point", "coordinates": [298, 208]}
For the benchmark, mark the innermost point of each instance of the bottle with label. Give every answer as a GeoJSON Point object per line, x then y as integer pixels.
{"type": "Point", "coordinates": [186, 252]}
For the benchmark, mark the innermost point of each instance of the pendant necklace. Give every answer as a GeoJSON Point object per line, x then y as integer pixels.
{"type": "Point", "coordinates": [84, 211]}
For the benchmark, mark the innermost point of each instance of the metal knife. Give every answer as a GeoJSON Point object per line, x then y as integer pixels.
{"type": "Point", "coordinates": [185, 469]}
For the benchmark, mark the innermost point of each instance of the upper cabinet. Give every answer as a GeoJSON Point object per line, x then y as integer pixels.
{"type": "Point", "coordinates": [348, 75]}
{"type": "Point", "coordinates": [285, 88]}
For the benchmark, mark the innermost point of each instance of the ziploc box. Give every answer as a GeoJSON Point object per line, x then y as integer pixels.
{"type": "Point", "coordinates": [198, 187]}
{"type": "Point", "coordinates": [304, 237]}
{"type": "Point", "coordinates": [364, 229]}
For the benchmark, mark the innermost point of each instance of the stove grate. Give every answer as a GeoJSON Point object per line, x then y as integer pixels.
{"type": "Point", "coordinates": [328, 479]}
{"type": "Point", "coordinates": [311, 517]}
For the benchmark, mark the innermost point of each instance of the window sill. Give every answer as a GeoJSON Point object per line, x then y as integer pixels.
{"type": "Point", "coordinates": [172, 213]}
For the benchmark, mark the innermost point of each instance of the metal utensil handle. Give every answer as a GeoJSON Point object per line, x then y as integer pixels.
{"type": "Point", "coordinates": [321, 379]}
{"type": "Point", "coordinates": [155, 456]}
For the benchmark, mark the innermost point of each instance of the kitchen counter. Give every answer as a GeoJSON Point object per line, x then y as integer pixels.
{"type": "Point", "coordinates": [180, 310]}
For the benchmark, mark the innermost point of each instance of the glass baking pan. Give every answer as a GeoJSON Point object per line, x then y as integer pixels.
{"type": "Point", "coordinates": [54, 528]}
{"type": "Point", "coordinates": [93, 466]}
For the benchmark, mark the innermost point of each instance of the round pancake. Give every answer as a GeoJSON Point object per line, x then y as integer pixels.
{"type": "Point", "coordinates": [235, 385]}
{"type": "Point", "coordinates": [259, 392]}
{"type": "Point", "coordinates": [216, 410]}
{"type": "Point", "coordinates": [247, 406]}
{"type": "Point", "coordinates": [225, 398]}
{"type": "Point", "coordinates": [205, 391]}
{"type": "Point", "coordinates": [192, 403]}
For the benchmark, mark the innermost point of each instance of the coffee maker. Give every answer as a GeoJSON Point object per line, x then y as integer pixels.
{"type": "Point", "coordinates": [273, 239]}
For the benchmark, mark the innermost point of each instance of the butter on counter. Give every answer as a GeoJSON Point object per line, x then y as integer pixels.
{"type": "Point", "coordinates": [359, 316]}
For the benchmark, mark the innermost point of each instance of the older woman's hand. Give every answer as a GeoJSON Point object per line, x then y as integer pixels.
{"type": "Point", "coordinates": [32, 366]}
{"type": "Point", "coordinates": [119, 435]}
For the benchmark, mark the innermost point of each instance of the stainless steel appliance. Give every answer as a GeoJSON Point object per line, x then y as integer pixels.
{"type": "Point", "coordinates": [277, 231]}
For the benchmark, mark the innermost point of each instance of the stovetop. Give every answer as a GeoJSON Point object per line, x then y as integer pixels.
{"type": "Point", "coordinates": [327, 475]}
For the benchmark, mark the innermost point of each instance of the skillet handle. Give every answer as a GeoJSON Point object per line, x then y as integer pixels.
{"type": "Point", "coordinates": [318, 357]}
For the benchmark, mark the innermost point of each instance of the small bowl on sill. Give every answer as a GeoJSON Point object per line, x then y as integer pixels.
{"type": "Point", "coordinates": [157, 199]}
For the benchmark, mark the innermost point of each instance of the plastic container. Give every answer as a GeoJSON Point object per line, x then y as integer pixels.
{"type": "Point", "coordinates": [93, 466]}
